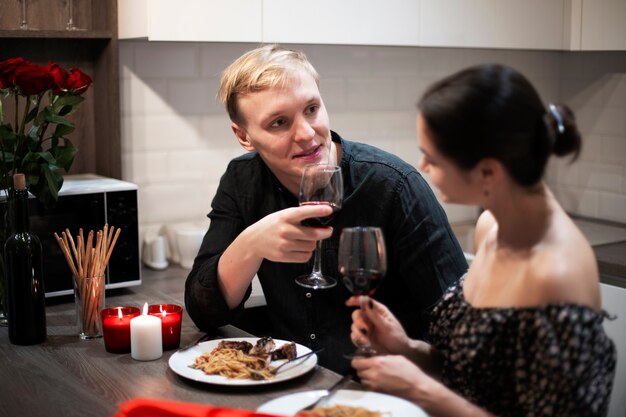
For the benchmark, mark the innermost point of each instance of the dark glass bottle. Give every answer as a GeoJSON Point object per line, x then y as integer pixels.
{"type": "Point", "coordinates": [24, 273]}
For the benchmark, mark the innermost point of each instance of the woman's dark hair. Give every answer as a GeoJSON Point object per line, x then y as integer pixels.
{"type": "Point", "coordinates": [493, 111]}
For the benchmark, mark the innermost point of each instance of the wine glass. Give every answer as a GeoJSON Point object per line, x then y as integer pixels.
{"type": "Point", "coordinates": [362, 264]}
{"type": "Point", "coordinates": [321, 184]}
{"type": "Point", "coordinates": [70, 21]}
{"type": "Point", "coordinates": [23, 22]}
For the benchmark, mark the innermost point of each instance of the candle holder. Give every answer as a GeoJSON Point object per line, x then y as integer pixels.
{"type": "Point", "coordinates": [171, 316]}
{"type": "Point", "coordinates": [89, 300]}
{"type": "Point", "coordinates": [116, 328]}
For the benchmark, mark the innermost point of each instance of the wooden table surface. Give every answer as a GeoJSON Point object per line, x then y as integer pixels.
{"type": "Point", "coordinates": [66, 376]}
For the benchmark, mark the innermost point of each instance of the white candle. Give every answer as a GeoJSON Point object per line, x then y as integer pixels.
{"type": "Point", "coordinates": [145, 337]}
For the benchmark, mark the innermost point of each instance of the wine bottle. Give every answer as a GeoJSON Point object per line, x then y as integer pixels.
{"type": "Point", "coordinates": [24, 273]}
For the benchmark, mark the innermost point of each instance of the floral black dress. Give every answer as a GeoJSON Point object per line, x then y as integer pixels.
{"type": "Point", "coordinates": [554, 360]}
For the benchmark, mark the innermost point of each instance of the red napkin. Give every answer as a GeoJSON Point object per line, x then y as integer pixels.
{"type": "Point", "coordinates": [146, 407]}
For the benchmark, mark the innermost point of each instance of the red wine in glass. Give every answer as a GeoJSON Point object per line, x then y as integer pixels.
{"type": "Point", "coordinates": [320, 222]}
{"type": "Point", "coordinates": [321, 184]}
{"type": "Point", "coordinates": [362, 263]}
{"type": "Point", "coordinates": [361, 281]}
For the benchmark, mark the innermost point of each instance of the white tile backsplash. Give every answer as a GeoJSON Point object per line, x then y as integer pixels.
{"type": "Point", "coordinates": [600, 177]}
{"type": "Point", "coordinates": [613, 150]}
{"type": "Point", "coordinates": [167, 60]}
{"type": "Point", "coordinates": [612, 206]}
{"type": "Point", "coordinates": [143, 96]}
{"type": "Point", "coordinates": [370, 93]}
{"type": "Point", "coordinates": [615, 91]}
{"type": "Point", "coordinates": [177, 141]}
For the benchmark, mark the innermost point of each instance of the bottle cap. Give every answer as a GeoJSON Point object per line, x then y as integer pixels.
{"type": "Point", "coordinates": [19, 182]}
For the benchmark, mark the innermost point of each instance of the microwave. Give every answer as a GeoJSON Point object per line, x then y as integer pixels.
{"type": "Point", "coordinates": [89, 202]}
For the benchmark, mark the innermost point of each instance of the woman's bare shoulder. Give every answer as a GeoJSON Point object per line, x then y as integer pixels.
{"type": "Point", "coordinates": [565, 269]}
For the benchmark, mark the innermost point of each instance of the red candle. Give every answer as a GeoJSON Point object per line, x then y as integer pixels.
{"type": "Point", "coordinates": [171, 316]}
{"type": "Point", "coordinates": [116, 328]}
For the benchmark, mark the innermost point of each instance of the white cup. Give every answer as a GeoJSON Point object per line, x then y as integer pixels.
{"type": "Point", "coordinates": [188, 242]}
{"type": "Point", "coordinates": [154, 255]}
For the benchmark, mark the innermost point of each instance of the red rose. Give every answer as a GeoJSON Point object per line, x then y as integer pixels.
{"type": "Point", "coordinates": [78, 81]}
{"type": "Point", "coordinates": [7, 71]}
{"type": "Point", "coordinates": [60, 77]}
{"type": "Point", "coordinates": [33, 79]}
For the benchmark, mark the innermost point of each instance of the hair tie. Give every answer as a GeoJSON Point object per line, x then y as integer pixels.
{"type": "Point", "coordinates": [557, 116]}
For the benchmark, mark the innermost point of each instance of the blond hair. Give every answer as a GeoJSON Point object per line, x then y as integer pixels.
{"type": "Point", "coordinates": [257, 70]}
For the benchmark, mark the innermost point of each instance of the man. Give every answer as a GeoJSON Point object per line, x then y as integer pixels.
{"type": "Point", "coordinates": [273, 100]}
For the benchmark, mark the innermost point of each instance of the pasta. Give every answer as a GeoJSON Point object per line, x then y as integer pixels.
{"type": "Point", "coordinates": [341, 411]}
{"type": "Point", "coordinates": [233, 364]}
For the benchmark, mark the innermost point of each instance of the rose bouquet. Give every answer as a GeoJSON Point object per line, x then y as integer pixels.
{"type": "Point", "coordinates": [36, 142]}
{"type": "Point", "coordinates": [34, 103]}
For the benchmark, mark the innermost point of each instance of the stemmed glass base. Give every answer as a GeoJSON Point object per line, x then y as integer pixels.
{"type": "Point", "coordinates": [316, 281]}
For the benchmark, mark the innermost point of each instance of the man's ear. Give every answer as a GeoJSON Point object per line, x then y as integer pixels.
{"type": "Point", "coordinates": [242, 136]}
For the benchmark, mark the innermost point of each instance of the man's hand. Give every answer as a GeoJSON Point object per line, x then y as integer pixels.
{"type": "Point", "coordinates": [280, 236]}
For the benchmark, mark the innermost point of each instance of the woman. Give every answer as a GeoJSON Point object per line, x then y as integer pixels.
{"type": "Point", "coordinates": [521, 333]}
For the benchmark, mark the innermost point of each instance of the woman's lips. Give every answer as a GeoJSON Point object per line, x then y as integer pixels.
{"type": "Point", "coordinates": [310, 154]}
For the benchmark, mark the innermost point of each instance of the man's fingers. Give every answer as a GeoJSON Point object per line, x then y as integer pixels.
{"type": "Point", "coordinates": [306, 212]}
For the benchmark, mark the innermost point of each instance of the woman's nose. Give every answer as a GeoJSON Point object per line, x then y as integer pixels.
{"type": "Point", "coordinates": [421, 165]}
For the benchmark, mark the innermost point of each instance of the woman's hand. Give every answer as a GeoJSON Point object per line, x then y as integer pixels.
{"type": "Point", "coordinates": [395, 375]}
{"type": "Point", "coordinates": [374, 323]}
{"type": "Point", "coordinates": [399, 376]}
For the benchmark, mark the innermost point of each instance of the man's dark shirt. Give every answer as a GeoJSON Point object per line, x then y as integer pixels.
{"type": "Point", "coordinates": [380, 189]}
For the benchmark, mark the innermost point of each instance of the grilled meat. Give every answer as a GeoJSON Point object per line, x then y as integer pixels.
{"type": "Point", "coordinates": [264, 347]}
{"type": "Point", "coordinates": [243, 346]}
{"type": "Point", "coordinates": [286, 351]}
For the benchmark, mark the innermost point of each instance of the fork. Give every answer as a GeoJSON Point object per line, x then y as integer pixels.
{"type": "Point", "coordinates": [274, 371]}
{"type": "Point", "coordinates": [324, 398]}
{"type": "Point", "coordinates": [300, 358]}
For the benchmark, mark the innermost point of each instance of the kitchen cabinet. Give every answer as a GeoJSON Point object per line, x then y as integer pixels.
{"type": "Point", "coordinates": [506, 24]}
{"type": "Point", "coordinates": [585, 25]}
{"type": "Point", "coordinates": [511, 24]}
{"type": "Point", "coordinates": [191, 20]}
{"type": "Point", "coordinates": [353, 22]}
{"type": "Point", "coordinates": [603, 25]}
{"type": "Point", "coordinates": [93, 48]}
{"type": "Point", "coordinates": [614, 302]}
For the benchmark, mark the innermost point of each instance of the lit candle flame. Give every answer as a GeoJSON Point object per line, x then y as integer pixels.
{"type": "Point", "coordinates": [119, 313]}
{"type": "Point", "coordinates": [145, 309]}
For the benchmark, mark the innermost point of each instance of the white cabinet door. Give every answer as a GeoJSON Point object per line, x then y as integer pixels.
{"type": "Point", "coordinates": [614, 302]}
{"type": "Point", "coordinates": [352, 22]}
{"type": "Point", "coordinates": [603, 25]}
{"type": "Point", "coordinates": [513, 24]}
{"type": "Point", "coordinates": [190, 20]}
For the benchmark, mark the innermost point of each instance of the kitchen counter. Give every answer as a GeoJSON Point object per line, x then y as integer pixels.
{"type": "Point", "coordinates": [612, 263]}
{"type": "Point", "coordinates": [608, 241]}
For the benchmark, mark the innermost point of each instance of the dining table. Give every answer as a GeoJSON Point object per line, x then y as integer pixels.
{"type": "Point", "coordinates": [68, 376]}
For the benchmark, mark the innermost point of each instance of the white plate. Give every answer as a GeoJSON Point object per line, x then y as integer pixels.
{"type": "Point", "coordinates": [180, 363]}
{"type": "Point", "coordinates": [393, 406]}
